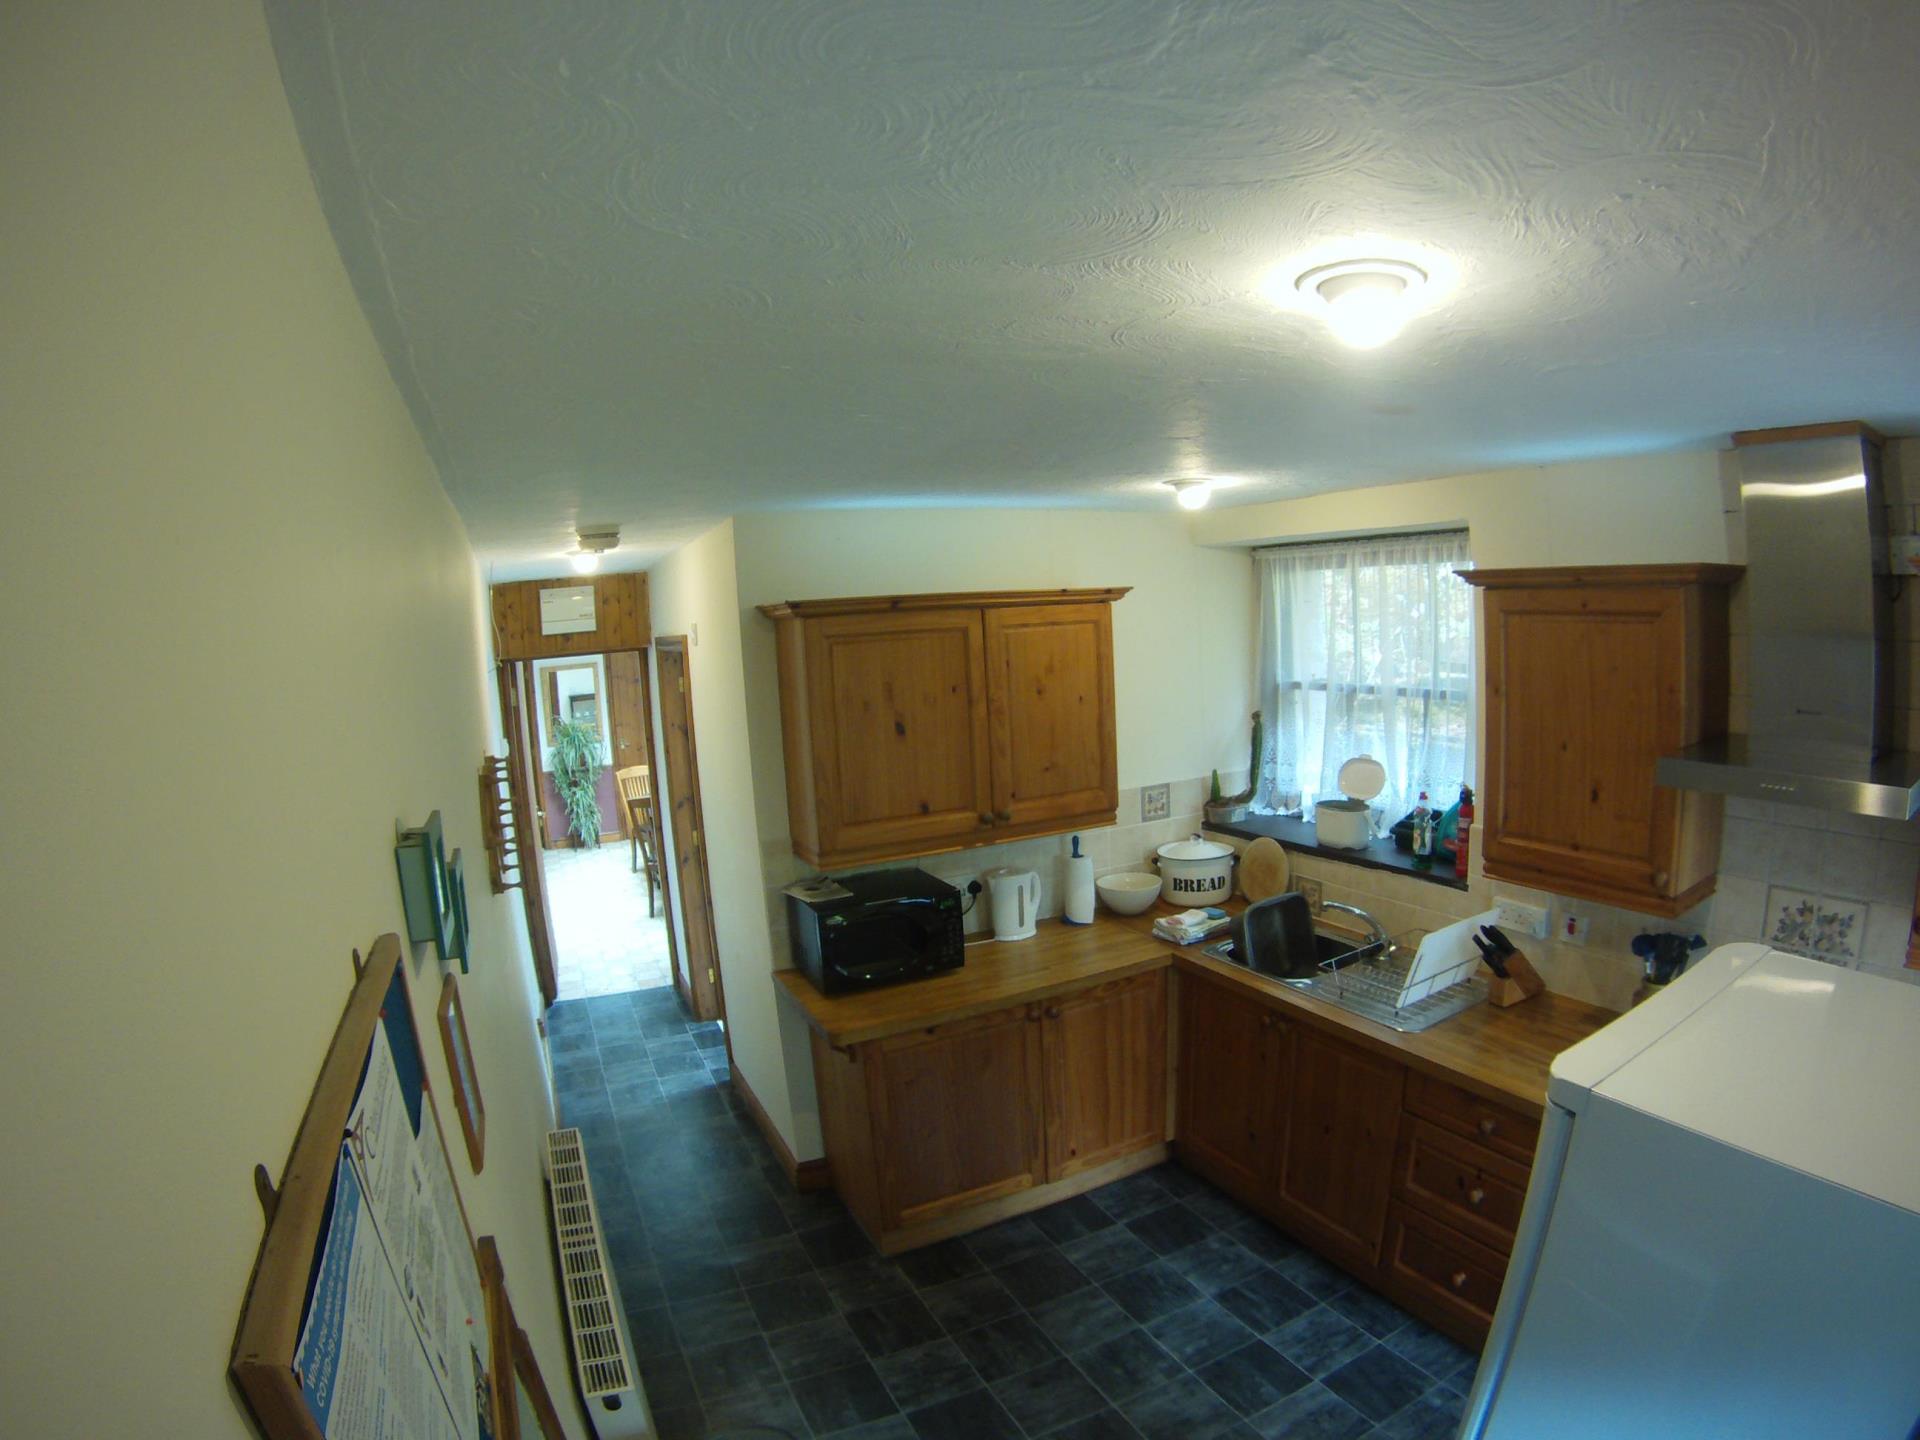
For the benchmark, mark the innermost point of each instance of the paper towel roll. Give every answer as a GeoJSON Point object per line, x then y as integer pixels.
{"type": "Point", "coordinates": [1077, 890]}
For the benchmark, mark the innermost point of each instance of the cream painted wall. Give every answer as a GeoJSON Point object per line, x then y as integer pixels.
{"type": "Point", "coordinates": [694, 592]}
{"type": "Point", "coordinates": [1182, 666]}
{"type": "Point", "coordinates": [244, 638]}
{"type": "Point", "coordinates": [1647, 509]}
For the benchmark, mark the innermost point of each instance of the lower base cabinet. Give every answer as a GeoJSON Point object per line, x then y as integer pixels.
{"type": "Point", "coordinates": [1410, 1183]}
{"type": "Point", "coordinates": [944, 1129]}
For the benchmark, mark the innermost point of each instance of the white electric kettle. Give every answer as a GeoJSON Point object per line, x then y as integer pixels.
{"type": "Point", "coordinates": [1015, 897]}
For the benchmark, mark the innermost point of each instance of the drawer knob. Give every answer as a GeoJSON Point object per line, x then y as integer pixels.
{"type": "Point", "coordinates": [1458, 1279]}
{"type": "Point", "coordinates": [1003, 816]}
{"type": "Point", "coordinates": [1488, 1124]}
{"type": "Point", "coordinates": [1053, 1012]}
{"type": "Point", "coordinates": [1266, 1022]}
{"type": "Point", "coordinates": [985, 818]}
{"type": "Point", "coordinates": [1475, 1196]}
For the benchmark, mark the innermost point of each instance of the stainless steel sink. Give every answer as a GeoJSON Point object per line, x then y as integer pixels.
{"type": "Point", "coordinates": [1366, 980]}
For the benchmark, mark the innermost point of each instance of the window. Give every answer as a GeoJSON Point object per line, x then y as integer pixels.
{"type": "Point", "coordinates": [1365, 649]}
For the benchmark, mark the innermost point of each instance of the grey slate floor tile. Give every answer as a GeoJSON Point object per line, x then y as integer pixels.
{"type": "Point", "coordinates": [750, 1303]}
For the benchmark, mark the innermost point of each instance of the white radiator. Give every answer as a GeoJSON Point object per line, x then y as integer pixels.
{"type": "Point", "coordinates": [596, 1323]}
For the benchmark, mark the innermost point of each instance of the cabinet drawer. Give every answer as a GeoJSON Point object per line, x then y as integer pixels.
{"type": "Point", "coordinates": [1495, 1126]}
{"type": "Point", "coordinates": [1442, 1267]}
{"type": "Point", "coordinates": [1461, 1182]}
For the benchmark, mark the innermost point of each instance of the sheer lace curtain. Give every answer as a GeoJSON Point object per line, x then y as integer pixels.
{"type": "Point", "coordinates": [1365, 649]}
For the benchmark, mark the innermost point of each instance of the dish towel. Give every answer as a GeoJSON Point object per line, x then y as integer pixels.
{"type": "Point", "coordinates": [1190, 927]}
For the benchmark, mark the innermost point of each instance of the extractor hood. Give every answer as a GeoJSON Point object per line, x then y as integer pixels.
{"type": "Point", "coordinates": [1820, 621]}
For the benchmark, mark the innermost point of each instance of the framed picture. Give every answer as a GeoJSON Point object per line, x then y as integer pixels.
{"type": "Point", "coordinates": [420, 855]}
{"type": "Point", "coordinates": [521, 1398]}
{"type": "Point", "coordinates": [466, 1084]}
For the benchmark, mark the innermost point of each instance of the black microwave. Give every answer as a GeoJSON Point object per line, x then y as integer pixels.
{"type": "Point", "coordinates": [875, 928]}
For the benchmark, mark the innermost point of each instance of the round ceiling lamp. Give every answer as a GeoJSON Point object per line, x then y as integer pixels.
{"type": "Point", "coordinates": [1192, 494]}
{"type": "Point", "coordinates": [1368, 302]}
{"type": "Point", "coordinates": [594, 541]}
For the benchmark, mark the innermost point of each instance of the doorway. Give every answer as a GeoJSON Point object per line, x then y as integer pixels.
{"type": "Point", "coordinates": [698, 980]}
{"type": "Point", "coordinates": [587, 730]}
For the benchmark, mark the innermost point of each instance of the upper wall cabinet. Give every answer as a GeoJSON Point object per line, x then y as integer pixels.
{"type": "Point", "coordinates": [1591, 675]}
{"type": "Point", "coordinates": [524, 629]}
{"type": "Point", "coordinates": [918, 723]}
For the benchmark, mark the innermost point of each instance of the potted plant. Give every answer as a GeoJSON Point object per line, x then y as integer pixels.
{"type": "Point", "coordinates": [574, 759]}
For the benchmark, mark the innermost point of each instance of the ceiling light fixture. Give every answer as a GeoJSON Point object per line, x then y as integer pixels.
{"type": "Point", "coordinates": [1367, 302]}
{"type": "Point", "coordinates": [1192, 494]}
{"type": "Point", "coordinates": [595, 541]}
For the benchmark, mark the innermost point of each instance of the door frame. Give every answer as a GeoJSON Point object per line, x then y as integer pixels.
{"type": "Point", "coordinates": [522, 791]}
{"type": "Point", "coordinates": [705, 995]}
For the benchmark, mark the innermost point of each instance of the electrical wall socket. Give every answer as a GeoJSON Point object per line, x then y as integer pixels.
{"type": "Point", "coordinates": [1573, 927]}
{"type": "Point", "coordinates": [1310, 889]}
{"type": "Point", "coordinates": [1520, 917]}
{"type": "Point", "coordinates": [1155, 802]}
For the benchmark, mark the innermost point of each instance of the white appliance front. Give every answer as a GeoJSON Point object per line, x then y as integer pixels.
{"type": "Point", "coordinates": [1721, 1237]}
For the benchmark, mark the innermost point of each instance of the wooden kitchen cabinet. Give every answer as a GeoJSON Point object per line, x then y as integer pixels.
{"type": "Point", "coordinates": [1104, 1053]}
{"type": "Point", "coordinates": [957, 1114]}
{"type": "Point", "coordinates": [1590, 676]}
{"type": "Point", "coordinates": [918, 723]}
{"type": "Point", "coordinates": [945, 1128]}
{"type": "Point", "coordinates": [1336, 1171]}
{"type": "Point", "coordinates": [1236, 1056]}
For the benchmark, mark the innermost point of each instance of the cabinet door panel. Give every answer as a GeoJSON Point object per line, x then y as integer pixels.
{"type": "Point", "coordinates": [1573, 682]}
{"type": "Point", "coordinates": [900, 747]}
{"type": "Point", "coordinates": [1342, 1123]}
{"type": "Point", "coordinates": [1106, 1067]}
{"type": "Point", "coordinates": [1050, 673]}
{"type": "Point", "coordinates": [957, 1114]}
{"type": "Point", "coordinates": [1234, 1054]}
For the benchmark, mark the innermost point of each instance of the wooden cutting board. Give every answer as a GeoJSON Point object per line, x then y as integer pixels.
{"type": "Point", "coordinates": [1264, 871]}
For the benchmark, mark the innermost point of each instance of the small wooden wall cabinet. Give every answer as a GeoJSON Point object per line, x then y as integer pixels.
{"type": "Point", "coordinates": [946, 1128]}
{"type": "Point", "coordinates": [920, 723]}
{"type": "Point", "coordinates": [1409, 1182]}
{"type": "Point", "coordinates": [1590, 676]}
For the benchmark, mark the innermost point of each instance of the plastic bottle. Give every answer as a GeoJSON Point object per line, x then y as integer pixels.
{"type": "Point", "coordinates": [1423, 834]}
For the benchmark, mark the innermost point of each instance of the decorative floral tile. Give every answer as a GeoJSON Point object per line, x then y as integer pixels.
{"type": "Point", "coordinates": [1820, 926]}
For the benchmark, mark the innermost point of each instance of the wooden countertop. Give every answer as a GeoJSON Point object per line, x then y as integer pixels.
{"type": "Point", "coordinates": [1501, 1054]}
{"type": "Point", "coordinates": [1059, 958]}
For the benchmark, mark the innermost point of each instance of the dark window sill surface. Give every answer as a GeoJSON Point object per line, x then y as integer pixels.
{"type": "Point", "coordinates": [1297, 835]}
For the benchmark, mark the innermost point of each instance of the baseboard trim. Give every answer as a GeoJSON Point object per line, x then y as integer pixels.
{"type": "Point", "coordinates": [806, 1176]}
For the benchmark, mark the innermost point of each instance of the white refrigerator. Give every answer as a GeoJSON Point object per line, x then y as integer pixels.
{"type": "Point", "coordinates": [1722, 1233]}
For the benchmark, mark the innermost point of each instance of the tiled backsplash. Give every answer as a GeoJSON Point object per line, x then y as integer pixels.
{"type": "Point", "coordinates": [1773, 858]}
{"type": "Point", "coordinates": [1837, 887]}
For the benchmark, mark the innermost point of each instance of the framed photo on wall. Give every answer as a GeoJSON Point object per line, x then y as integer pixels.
{"type": "Point", "coordinates": [466, 1084]}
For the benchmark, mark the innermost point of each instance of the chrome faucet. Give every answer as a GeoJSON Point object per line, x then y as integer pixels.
{"type": "Point", "coordinates": [1377, 931]}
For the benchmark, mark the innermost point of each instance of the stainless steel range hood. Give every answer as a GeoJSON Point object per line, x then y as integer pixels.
{"type": "Point", "coordinates": [1820, 613]}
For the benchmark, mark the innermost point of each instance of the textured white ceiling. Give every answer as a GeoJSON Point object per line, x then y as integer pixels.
{"type": "Point", "coordinates": [661, 261]}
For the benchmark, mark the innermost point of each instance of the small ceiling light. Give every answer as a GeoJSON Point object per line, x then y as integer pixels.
{"type": "Point", "coordinates": [1368, 301]}
{"type": "Point", "coordinates": [1192, 494]}
{"type": "Point", "coordinates": [595, 540]}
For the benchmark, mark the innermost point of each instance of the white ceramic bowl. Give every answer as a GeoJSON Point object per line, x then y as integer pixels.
{"type": "Point", "coordinates": [1128, 893]}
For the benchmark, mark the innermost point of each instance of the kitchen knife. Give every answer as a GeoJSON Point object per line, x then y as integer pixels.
{"type": "Point", "coordinates": [1488, 952]}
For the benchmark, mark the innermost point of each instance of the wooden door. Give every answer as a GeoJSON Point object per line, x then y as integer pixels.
{"type": "Point", "coordinates": [1105, 1052]}
{"type": "Point", "coordinates": [1343, 1120]}
{"type": "Point", "coordinates": [699, 973]}
{"type": "Point", "coordinates": [1050, 688]}
{"type": "Point", "coordinates": [1235, 1054]}
{"type": "Point", "coordinates": [523, 788]}
{"type": "Point", "coordinates": [627, 716]}
{"type": "Point", "coordinates": [1584, 694]}
{"type": "Point", "coordinates": [957, 1114]}
{"type": "Point", "coordinates": [898, 711]}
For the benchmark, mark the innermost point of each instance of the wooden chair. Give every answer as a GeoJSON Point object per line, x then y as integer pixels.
{"type": "Point", "coordinates": [636, 795]}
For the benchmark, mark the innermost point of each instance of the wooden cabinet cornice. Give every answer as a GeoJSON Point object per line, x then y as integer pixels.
{"type": "Point", "coordinates": [914, 724]}
{"type": "Point", "coordinates": [1592, 674]}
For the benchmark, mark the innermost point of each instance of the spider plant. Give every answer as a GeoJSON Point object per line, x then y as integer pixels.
{"type": "Point", "coordinates": [574, 759]}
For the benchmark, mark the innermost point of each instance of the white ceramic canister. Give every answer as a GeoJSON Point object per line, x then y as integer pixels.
{"type": "Point", "coordinates": [1348, 824]}
{"type": "Point", "coordinates": [1195, 872]}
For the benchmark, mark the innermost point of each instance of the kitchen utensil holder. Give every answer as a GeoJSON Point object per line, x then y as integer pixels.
{"type": "Point", "coordinates": [1522, 982]}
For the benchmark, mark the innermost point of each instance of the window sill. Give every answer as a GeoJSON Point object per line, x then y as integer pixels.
{"type": "Point", "coordinates": [1297, 835]}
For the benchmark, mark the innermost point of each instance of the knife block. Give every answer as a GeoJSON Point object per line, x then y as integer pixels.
{"type": "Point", "coordinates": [1523, 982]}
